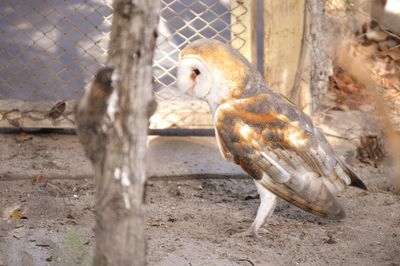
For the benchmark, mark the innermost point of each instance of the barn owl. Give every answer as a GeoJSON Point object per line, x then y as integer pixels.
{"type": "Point", "coordinates": [271, 139]}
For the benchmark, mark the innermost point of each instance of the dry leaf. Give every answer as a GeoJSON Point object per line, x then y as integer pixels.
{"type": "Point", "coordinates": [380, 54]}
{"type": "Point", "coordinates": [18, 215]}
{"type": "Point", "coordinates": [394, 54]}
{"type": "Point", "coordinates": [37, 179]}
{"type": "Point", "coordinates": [23, 136]}
{"type": "Point", "coordinates": [371, 150]}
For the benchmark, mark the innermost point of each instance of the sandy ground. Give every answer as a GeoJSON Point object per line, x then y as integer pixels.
{"type": "Point", "coordinates": [190, 220]}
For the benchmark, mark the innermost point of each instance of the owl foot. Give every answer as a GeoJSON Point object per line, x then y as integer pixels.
{"type": "Point", "coordinates": [255, 232]}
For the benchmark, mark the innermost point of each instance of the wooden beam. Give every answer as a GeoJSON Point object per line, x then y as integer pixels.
{"type": "Point", "coordinates": [244, 28]}
{"type": "Point", "coordinates": [285, 29]}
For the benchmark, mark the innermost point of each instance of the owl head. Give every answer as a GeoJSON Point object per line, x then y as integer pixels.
{"type": "Point", "coordinates": [214, 71]}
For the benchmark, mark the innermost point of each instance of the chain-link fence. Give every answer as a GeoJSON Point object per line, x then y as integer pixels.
{"type": "Point", "coordinates": [50, 50]}
{"type": "Point", "coordinates": [182, 22]}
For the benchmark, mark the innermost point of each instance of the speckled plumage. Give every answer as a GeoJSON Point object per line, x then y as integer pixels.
{"type": "Point", "coordinates": [263, 132]}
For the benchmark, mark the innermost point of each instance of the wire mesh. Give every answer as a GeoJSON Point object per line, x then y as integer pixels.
{"type": "Point", "coordinates": [182, 22]}
{"type": "Point", "coordinates": [50, 50]}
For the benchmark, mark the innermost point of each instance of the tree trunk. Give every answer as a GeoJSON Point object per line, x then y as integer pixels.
{"type": "Point", "coordinates": [322, 32]}
{"type": "Point", "coordinates": [112, 122]}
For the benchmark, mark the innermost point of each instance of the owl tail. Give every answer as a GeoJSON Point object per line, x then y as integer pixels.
{"type": "Point", "coordinates": [317, 199]}
{"type": "Point", "coordinates": [355, 180]}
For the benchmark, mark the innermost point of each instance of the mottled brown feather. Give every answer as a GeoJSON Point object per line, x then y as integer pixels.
{"type": "Point", "coordinates": [257, 140]}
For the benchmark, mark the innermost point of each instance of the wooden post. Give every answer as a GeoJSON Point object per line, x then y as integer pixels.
{"type": "Point", "coordinates": [285, 51]}
{"type": "Point", "coordinates": [112, 121]}
{"type": "Point", "coordinates": [244, 28]}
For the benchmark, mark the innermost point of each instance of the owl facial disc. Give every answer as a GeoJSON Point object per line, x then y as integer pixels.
{"type": "Point", "coordinates": [194, 77]}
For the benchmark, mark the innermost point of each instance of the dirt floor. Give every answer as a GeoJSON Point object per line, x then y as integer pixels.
{"type": "Point", "coordinates": [201, 222]}
{"type": "Point", "coordinates": [48, 220]}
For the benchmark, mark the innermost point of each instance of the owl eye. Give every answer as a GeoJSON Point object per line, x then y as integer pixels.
{"type": "Point", "coordinates": [196, 71]}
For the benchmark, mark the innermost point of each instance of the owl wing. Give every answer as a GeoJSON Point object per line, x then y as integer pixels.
{"type": "Point", "coordinates": [276, 143]}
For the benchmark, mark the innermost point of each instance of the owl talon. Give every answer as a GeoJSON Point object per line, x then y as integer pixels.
{"type": "Point", "coordinates": [253, 232]}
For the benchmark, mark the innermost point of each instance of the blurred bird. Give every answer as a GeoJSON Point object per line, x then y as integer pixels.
{"type": "Point", "coordinates": [90, 111]}
{"type": "Point", "coordinates": [100, 98]}
{"type": "Point", "coordinates": [265, 133]}
{"type": "Point", "coordinates": [93, 104]}
{"type": "Point", "coordinates": [57, 110]}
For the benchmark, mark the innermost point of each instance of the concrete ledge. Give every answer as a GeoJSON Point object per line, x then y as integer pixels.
{"type": "Point", "coordinates": [174, 156]}
{"type": "Point", "coordinates": [61, 157]}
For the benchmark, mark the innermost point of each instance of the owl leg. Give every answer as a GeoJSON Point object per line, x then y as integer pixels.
{"type": "Point", "coordinates": [266, 208]}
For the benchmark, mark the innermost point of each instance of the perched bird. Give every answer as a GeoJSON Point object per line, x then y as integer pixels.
{"type": "Point", "coordinates": [267, 135]}
{"type": "Point", "coordinates": [57, 110]}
